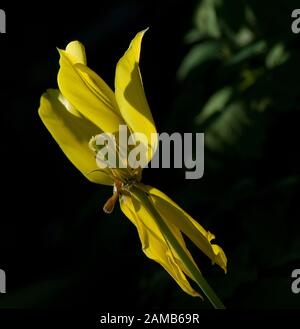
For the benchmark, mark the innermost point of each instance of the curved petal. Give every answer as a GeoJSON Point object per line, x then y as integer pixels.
{"type": "Point", "coordinates": [130, 95]}
{"type": "Point", "coordinates": [154, 244]}
{"type": "Point", "coordinates": [76, 52]}
{"type": "Point", "coordinates": [91, 96]}
{"type": "Point", "coordinates": [174, 215]}
{"type": "Point", "coordinates": [72, 133]}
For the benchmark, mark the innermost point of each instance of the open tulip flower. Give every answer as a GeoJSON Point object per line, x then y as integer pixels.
{"type": "Point", "coordinates": [85, 106]}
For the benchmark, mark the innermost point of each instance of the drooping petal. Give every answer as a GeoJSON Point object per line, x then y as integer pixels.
{"type": "Point", "coordinates": [174, 215]}
{"type": "Point", "coordinates": [131, 97]}
{"type": "Point", "coordinates": [91, 96]}
{"type": "Point", "coordinates": [155, 245]}
{"type": "Point", "coordinates": [72, 133]}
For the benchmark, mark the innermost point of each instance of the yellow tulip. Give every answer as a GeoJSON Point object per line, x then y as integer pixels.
{"type": "Point", "coordinates": [85, 106]}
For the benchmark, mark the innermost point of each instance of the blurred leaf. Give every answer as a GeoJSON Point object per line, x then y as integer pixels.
{"type": "Point", "coordinates": [235, 131]}
{"type": "Point", "coordinates": [192, 36]}
{"type": "Point", "coordinates": [246, 53]}
{"type": "Point", "coordinates": [215, 104]}
{"type": "Point", "coordinates": [250, 77]}
{"type": "Point", "coordinates": [225, 130]}
{"type": "Point", "coordinates": [198, 55]}
{"type": "Point", "coordinates": [250, 111]}
{"type": "Point", "coordinates": [206, 19]}
{"type": "Point", "coordinates": [276, 56]}
{"type": "Point", "coordinates": [244, 37]}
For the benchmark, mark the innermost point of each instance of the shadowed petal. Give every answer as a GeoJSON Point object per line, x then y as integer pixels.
{"type": "Point", "coordinates": [72, 133]}
{"type": "Point", "coordinates": [154, 244]}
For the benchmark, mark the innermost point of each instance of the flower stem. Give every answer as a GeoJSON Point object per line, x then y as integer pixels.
{"type": "Point", "coordinates": [193, 269]}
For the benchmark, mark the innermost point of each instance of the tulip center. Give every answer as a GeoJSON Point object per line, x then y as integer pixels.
{"type": "Point", "coordinates": [121, 172]}
{"type": "Point", "coordinates": [113, 159]}
{"type": "Point", "coordinates": [119, 189]}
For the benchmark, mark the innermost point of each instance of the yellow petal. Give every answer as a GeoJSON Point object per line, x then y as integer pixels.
{"type": "Point", "coordinates": [72, 133]}
{"type": "Point", "coordinates": [154, 244]}
{"type": "Point", "coordinates": [174, 215]}
{"type": "Point", "coordinates": [131, 97]}
{"type": "Point", "coordinates": [76, 52]}
{"type": "Point", "coordinates": [87, 92]}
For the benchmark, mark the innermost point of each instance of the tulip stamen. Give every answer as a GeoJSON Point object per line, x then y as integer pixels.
{"type": "Point", "coordinates": [110, 203]}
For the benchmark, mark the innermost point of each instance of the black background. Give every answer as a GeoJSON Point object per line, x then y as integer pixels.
{"type": "Point", "coordinates": [57, 247]}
